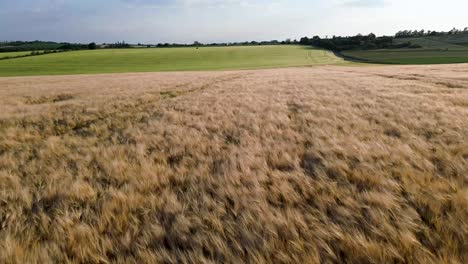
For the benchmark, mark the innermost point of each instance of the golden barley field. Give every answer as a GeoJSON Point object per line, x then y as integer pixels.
{"type": "Point", "coordinates": [323, 164]}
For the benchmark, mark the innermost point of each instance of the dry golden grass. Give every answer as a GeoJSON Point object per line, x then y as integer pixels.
{"type": "Point", "coordinates": [304, 165]}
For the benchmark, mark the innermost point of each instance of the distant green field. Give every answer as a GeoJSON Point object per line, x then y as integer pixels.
{"type": "Point", "coordinates": [167, 59]}
{"type": "Point", "coordinates": [431, 43]}
{"type": "Point", "coordinates": [29, 46]}
{"type": "Point", "coordinates": [13, 54]}
{"type": "Point", "coordinates": [435, 50]}
{"type": "Point", "coordinates": [410, 56]}
{"type": "Point", "coordinates": [453, 39]}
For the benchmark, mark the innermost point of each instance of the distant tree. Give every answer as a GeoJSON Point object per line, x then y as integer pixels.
{"type": "Point", "coordinates": [92, 46]}
{"type": "Point", "coordinates": [119, 45]}
{"type": "Point", "coordinates": [453, 31]}
{"type": "Point", "coordinates": [358, 42]}
{"type": "Point", "coordinates": [465, 30]}
{"type": "Point", "coordinates": [304, 41]}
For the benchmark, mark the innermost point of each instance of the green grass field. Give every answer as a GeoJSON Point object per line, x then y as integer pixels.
{"type": "Point", "coordinates": [35, 45]}
{"type": "Point", "coordinates": [435, 50]}
{"type": "Point", "coordinates": [167, 59]}
{"type": "Point", "coordinates": [410, 56]}
{"type": "Point", "coordinates": [432, 43]}
{"type": "Point", "coordinates": [13, 54]}
{"type": "Point", "coordinates": [454, 39]}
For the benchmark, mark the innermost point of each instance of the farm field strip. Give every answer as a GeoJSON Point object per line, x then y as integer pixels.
{"type": "Point", "coordinates": [168, 59]}
{"type": "Point", "coordinates": [434, 50]}
{"type": "Point", "coordinates": [430, 43]}
{"type": "Point", "coordinates": [319, 164]}
{"type": "Point", "coordinates": [410, 56]}
{"type": "Point", "coordinates": [14, 54]}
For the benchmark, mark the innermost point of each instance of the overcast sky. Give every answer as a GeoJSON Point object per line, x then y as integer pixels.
{"type": "Point", "coordinates": [184, 21]}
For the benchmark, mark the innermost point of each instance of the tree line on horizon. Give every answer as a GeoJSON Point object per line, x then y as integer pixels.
{"type": "Point", "coordinates": [429, 33]}
{"type": "Point", "coordinates": [359, 41]}
{"type": "Point", "coordinates": [371, 41]}
{"type": "Point", "coordinates": [37, 45]}
{"type": "Point", "coordinates": [335, 43]}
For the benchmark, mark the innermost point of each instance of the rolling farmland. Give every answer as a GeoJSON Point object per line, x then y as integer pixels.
{"type": "Point", "coordinates": [434, 50]}
{"type": "Point", "coordinates": [410, 56]}
{"type": "Point", "coordinates": [13, 54]}
{"type": "Point", "coordinates": [433, 43]}
{"type": "Point", "coordinates": [233, 132]}
{"type": "Point", "coordinates": [189, 155]}
{"type": "Point", "coordinates": [325, 164]}
{"type": "Point", "coordinates": [167, 59]}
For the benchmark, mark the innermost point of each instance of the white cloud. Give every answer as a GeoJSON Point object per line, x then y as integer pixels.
{"type": "Point", "coordinates": [366, 3]}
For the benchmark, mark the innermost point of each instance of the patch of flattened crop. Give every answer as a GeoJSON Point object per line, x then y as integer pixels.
{"type": "Point", "coordinates": [176, 93]}
{"type": "Point", "coordinates": [460, 102]}
{"type": "Point", "coordinates": [392, 132]}
{"type": "Point", "coordinates": [449, 84]}
{"type": "Point", "coordinates": [399, 77]}
{"type": "Point", "coordinates": [294, 107]}
{"type": "Point", "coordinates": [418, 75]}
{"type": "Point", "coordinates": [311, 164]}
{"type": "Point", "coordinates": [169, 94]}
{"type": "Point", "coordinates": [48, 99]}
